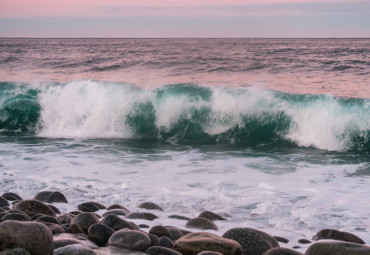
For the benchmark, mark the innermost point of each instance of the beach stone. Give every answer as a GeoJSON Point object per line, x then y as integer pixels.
{"type": "Point", "coordinates": [159, 250]}
{"type": "Point", "coordinates": [154, 240]}
{"type": "Point", "coordinates": [175, 232]}
{"type": "Point", "coordinates": [304, 241]}
{"type": "Point", "coordinates": [3, 202]}
{"type": "Point", "coordinates": [281, 251]}
{"type": "Point", "coordinates": [337, 235]}
{"type": "Point", "coordinates": [50, 197]}
{"type": "Point", "coordinates": [192, 244]}
{"type": "Point", "coordinates": [17, 211]}
{"type": "Point", "coordinates": [64, 219]}
{"type": "Point", "coordinates": [36, 216]}
{"type": "Point", "coordinates": [55, 210]}
{"type": "Point", "coordinates": [62, 243]}
{"type": "Point", "coordinates": [74, 249]}
{"type": "Point", "coordinates": [32, 207]}
{"type": "Point", "coordinates": [143, 226]}
{"type": "Point", "coordinates": [159, 231]}
{"type": "Point", "coordinates": [150, 206]}
{"type": "Point", "coordinates": [76, 238]}
{"type": "Point", "coordinates": [201, 223]}
{"type": "Point", "coordinates": [141, 215]}
{"type": "Point", "coordinates": [11, 196]}
{"type": "Point", "coordinates": [179, 217]}
{"type": "Point", "coordinates": [99, 233]}
{"type": "Point", "coordinates": [130, 239]}
{"type": "Point", "coordinates": [88, 207]}
{"type": "Point", "coordinates": [85, 220]}
{"type": "Point", "coordinates": [209, 253]}
{"type": "Point", "coordinates": [337, 248]}
{"type": "Point", "coordinates": [15, 216]}
{"type": "Point", "coordinates": [210, 215]}
{"type": "Point", "coordinates": [251, 240]}
{"type": "Point", "coordinates": [165, 241]}
{"type": "Point", "coordinates": [75, 229]}
{"type": "Point", "coordinates": [117, 223]}
{"type": "Point", "coordinates": [185, 232]}
{"type": "Point", "coordinates": [281, 239]}
{"type": "Point", "coordinates": [33, 236]}
{"type": "Point", "coordinates": [116, 206]}
{"type": "Point", "coordinates": [118, 212]}
{"type": "Point", "coordinates": [50, 219]}
{"type": "Point", "coordinates": [54, 228]}
{"type": "Point", "coordinates": [15, 251]}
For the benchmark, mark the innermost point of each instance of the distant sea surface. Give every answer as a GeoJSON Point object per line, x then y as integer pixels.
{"type": "Point", "coordinates": [274, 132]}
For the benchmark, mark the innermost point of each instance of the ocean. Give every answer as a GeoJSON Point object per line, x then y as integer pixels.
{"type": "Point", "coordinates": [273, 132]}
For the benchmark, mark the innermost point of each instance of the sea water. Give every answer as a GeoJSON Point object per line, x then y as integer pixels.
{"type": "Point", "coordinates": [273, 132]}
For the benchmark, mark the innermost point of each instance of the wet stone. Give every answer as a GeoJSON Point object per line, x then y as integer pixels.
{"type": "Point", "coordinates": [201, 223]}
{"type": "Point", "coordinates": [158, 250]}
{"type": "Point", "coordinates": [117, 223]}
{"type": "Point", "coordinates": [211, 216]}
{"type": "Point", "coordinates": [85, 220]}
{"type": "Point", "coordinates": [159, 231]}
{"type": "Point", "coordinates": [15, 216]}
{"type": "Point", "coordinates": [100, 233]}
{"type": "Point", "coordinates": [154, 240]}
{"type": "Point", "coordinates": [50, 197]}
{"type": "Point", "coordinates": [150, 206]}
{"type": "Point", "coordinates": [15, 251]}
{"type": "Point", "coordinates": [10, 196]}
{"type": "Point", "coordinates": [3, 202]}
{"type": "Point", "coordinates": [209, 253]}
{"type": "Point", "coordinates": [88, 207]}
{"type": "Point", "coordinates": [130, 239]}
{"type": "Point", "coordinates": [337, 235]}
{"type": "Point", "coordinates": [75, 229]}
{"type": "Point", "coordinates": [118, 212]}
{"type": "Point", "coordinates": [165, 241]}
{"type": "Point", "coordinates": [32, 207]}
{"type": "Point", "coordinates": [281, 251]}
{"type": "Point", "coordinates": [143, 226]}
{"type": "Point", "coordinates": [116, 206]}
{"type": "Point", "coordinates": [74, 249]}
{"type": "Point", "coordinates": [142, 216]}
{"type": "Point", "coordinates": [304, 241]}
{"type": "Point", "coordinates": [337, 248]}
{"type": "Point", "coordinates": [55, 210]}
{"type": "Point", "coordinates": [281, 239]}
{"type": "Point", "coordinates": [179, 217]}
{"type": "Point", "coordinates": [50, 219]}
{"type": "Point", "coordinates": [64, 219]}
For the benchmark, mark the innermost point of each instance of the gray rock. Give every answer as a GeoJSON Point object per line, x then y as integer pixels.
{"type": "Point", "coordinates": [304, 241]}
{"type": "Point", "coordinates": [150, 206]}
{"type": "Point", "coordinates": [281, 239]}
{"type": "Point", "coordinates": [73, 239]}
{"type": "Point", "coordinates": [165, 241]}
{"type": "Point", "coordinates": [15, 251]}
{"type": "Point", "coordinates": [281, 251]}
{"type": "Point", "coordinates": [141, 215]}
{"type": "Point", "coordinates": [50, 197]}
{"type": "Point", "coordinates": [337, 248]}
{"type": "Point", "coordinates": [85, 220]}
{"type": "Point", "coordinates": [74, 249]}
{"type": "Point", "coordinates": [118, 212]}
{"type": "Point", "coordinates": [65, 219]}
{"type": "Point", "coordinates": [159, 231]}
{"type": "Point", "coordinates": [15, 216]}
{"type": "Point", "coordinates": [55, 228]}
{"type": "Point", "coordinates": [130, 239]}
{"type": "Point", "coordinates": [62, 243]}
{"type": "Point", "coordinates": [32, 207]}
{"type": "Point", "coordinates": [179, 217]}
{"type": "Point", "coordinates": [175, 233]}
{"type": "Point", "coordinates": [154, 240]}
{"type": "Point", "coordinates": [211, 216]}
{"type": "Point", "coordinates": [33, 236]}
{"type": "Point", "coordinates": [252, 240]}
{"type": "Point", "coordinates": [49, 219]}
{"type": "Point", "coordinates": [88, 207]}
{"type": "Point", "coordinates": [10, 196]}
{"type": "Point", "coordinates": [143, 226]}
{"type": "Point", "coordinates": [201, 223]}
{"type": "Point", "coordinates": [337, 235]}
{"type": "Point", "coordinates": [75, 229]}
{"type": "Point", "coordinates": [3, 202]}
{"type": "Point", "coordinates": [192, 244]}
{"type": "Point", "coordinates": [55, 210]}
{"type": "Point", "coordinates": [115, 206]}
{"type": "Point", "coordinates": [158, 250]}
{"type": "Point", "coordinates": [117, 223]}
{"type": "Point", "coordinates": [99, 233]}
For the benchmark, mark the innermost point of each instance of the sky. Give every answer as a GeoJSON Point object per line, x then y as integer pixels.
{"type": "Point", "coordinates": [184, 18]}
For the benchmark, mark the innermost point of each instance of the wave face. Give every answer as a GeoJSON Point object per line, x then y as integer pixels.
{"type": "Point", "coordinates": [184, 113]}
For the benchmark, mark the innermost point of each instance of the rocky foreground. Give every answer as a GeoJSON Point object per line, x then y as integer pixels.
{"type": "Point", "coordinates": [37, 227]}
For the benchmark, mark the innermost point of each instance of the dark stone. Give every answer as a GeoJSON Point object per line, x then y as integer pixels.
{"type": "Point", "coordinates": [3, 202]}
{"type": "Point", "coordinates": [50, 197]}
{"type": "Point", "coordinates": [159, 231]}
{"type": "Point", "coordinates": [11, 196]}
{"type": "Point", "coordinates": [76, 238]}
{"type": "Point", "coordinates": [88, 207]}
{"type": "Point", "coordinates": [175, 233]}
{"type": "Point", "coordinates": [252, 240]}
{"type": "Point", "coordinates": [55, 228]}
{"type": "Point", "coordinates": [141, 215]}
{"type": "Point", "coordinates": [85, 220]}
{"type": "Point", "coordinates": [154, 240]}
{"type": "Point", "coordinates": [165, 241]}
{"type": "Point", "coordinates": [281, 239]}
{"type": "Point", "coordinates": [130, 239]}
{"type": "Point", "coordinates": [337, 235]}
{"type": "Point", "coordinates": [33, 236]}
{"type": "Point", "coordinates": [64, 219]}
{"type": "Point", "coordinates": [99, 233]}
{"type": "Point", "coordinates": [118, 212]}
{"type": "Point", "coordinates": [17, 211]}
{"type": "Point", "coordinates": [304, 241]}
{"type": "Point", "coordinates": [185, 232]}
{"type": "Point", "coordinates": [209, 253]}
{"type": "Point", "coordinates": [192, 244]}
{"type": "Point", "coordinates": [337, 248]}
{"type": "Point", "coordinates": [158, 250]}
{"type": "Point", "coordinates": [150, 206]}
{"type": "Point", "coordinates": [32, 207]}
{"type": "Point", "coordinates": [143, 226]}
{"type": "Point", "coordinates": [211, 216]}
{"type": "Point", "coordinates": [201, 223]}
{"type": "Point", "coordinates": [15, 216]}
{"type": "Point", "coordinates": [115, 206]}
{"type": "Point", "coordinates": [65, 242]}
{"type": "Point", "coordinates": [117, 223]}
{"type": "Point", "coordinates": [36, 216]}
{"type": "Point", "coordinates": [281, 251]}
{"type": "Point", "coordinates": [50, 219]}
{"type": "Point", "coordinates": [179, 217]}
{"type": "Point", "coordinates": [75, 229]}
{"type": "Point", "coordinates": [74, 249]}
{"type": "Point", "coordinates": [15, 251]}
{"type": "Point", "coordinates": [75, 213]}
{"type": "Point", "coordinates": [55, 210]}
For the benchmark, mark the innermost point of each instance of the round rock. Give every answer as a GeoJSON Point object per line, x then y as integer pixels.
{"type": "Point", "coordinates": [211, 216]}
{"type": "Point", "coordinates": [99, 233]}
{"type": "Point", "coordinates": [118, 212]}
{"type": "Point", "coordinates": [252, 240]}
{"type": "Point", "coordinates": [85, 220]}
{"type": "Point", "coordinates": [130, 239]}
{"type": "Point", "coordinates": [33, 236]}
{"type": "Point", "coordinates": [158, 250]}
{"type": "Point", "coordinates": [50, 197]}
{"type": "Point", "coordinates": [11, 196]}
{"type": "Point", "coordinates": [201, 223]}
{"type": "Point", "coordinates": [117, 223]}
{"type": "Point", "coordinates": [32, 207]}
{"type": "Point", "coordinates": [337, 248]}
{"type": "Point", "coordinates": [193, 243]}
{"type": "Point", "coordinates": [74, 249]}
{"type": "Point", "coordinates": [281, 251]}
{"type": "Point", "coordinates": [337, 235]}
{"type": "Point", "coordinates": [165, 241]}
{"type": "Point", "coordinates": [3, 202]}
{"type": "Point", "coordinates": [15, 251]}
{"type": "Point", "coordinates": [141, 215]}
{"type": "Point", "coordinates": [150, 206]}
